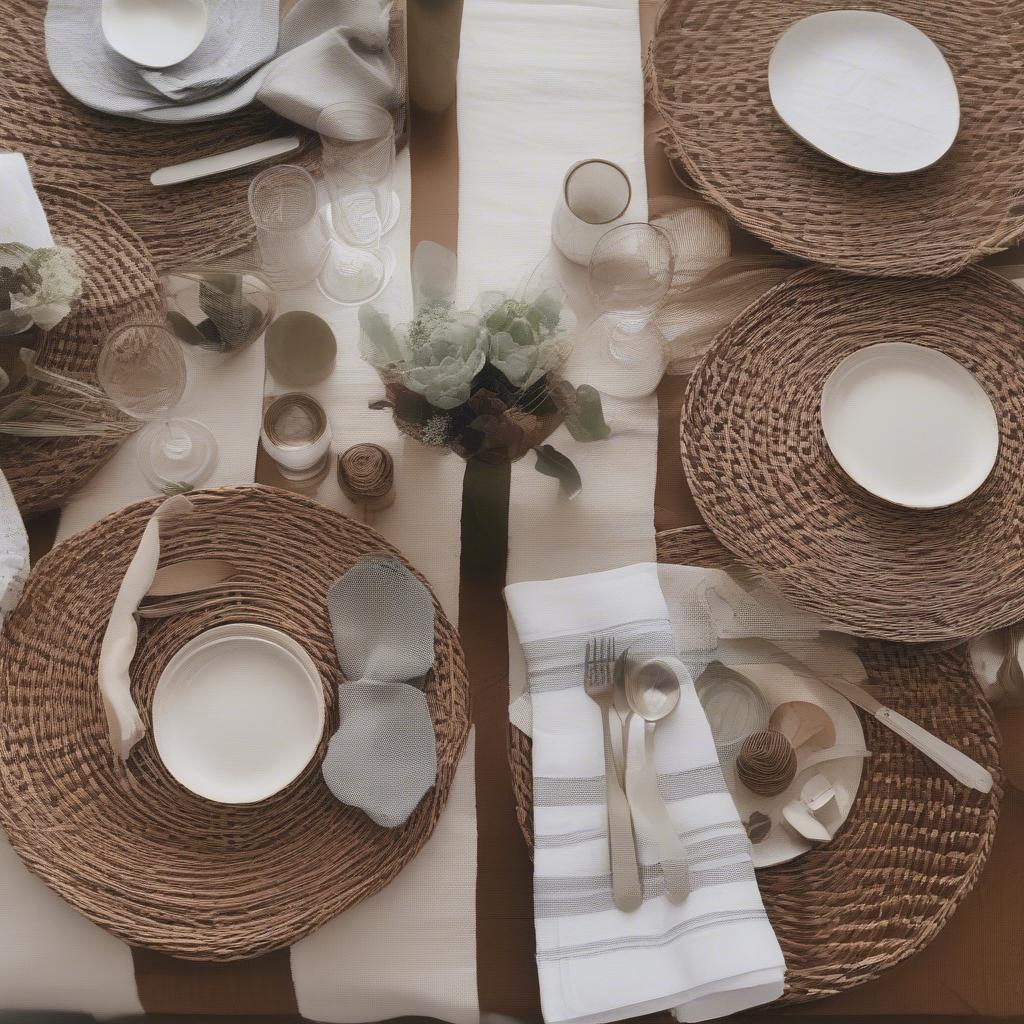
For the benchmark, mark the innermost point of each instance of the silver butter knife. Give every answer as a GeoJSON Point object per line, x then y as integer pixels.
{"type": "Point", "coordinates": [206, 166]}
{"type": "Point", "coordinates": [958, 764]}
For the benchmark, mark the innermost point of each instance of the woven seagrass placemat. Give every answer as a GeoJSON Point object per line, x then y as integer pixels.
{"type": "Point", "coordinates": [709, 74]}
{"type": "Point", "coordinates": [119, 284]}
{"type": "Point", "coordinates": [126, 845]}
{"type": "Point", "coordinates": [767, 485]}
{"type": "Point", "coordinates": [915, 842]}
{"type": "Point", "coordinates": [112, 158]}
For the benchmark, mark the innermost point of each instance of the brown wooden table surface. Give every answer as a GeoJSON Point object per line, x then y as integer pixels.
{"type": "Point", "coordinates": [972, 970]}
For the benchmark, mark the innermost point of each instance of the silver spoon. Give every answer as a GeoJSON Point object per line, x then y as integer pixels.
{"type": "Point", "coordinates": [652, 692]}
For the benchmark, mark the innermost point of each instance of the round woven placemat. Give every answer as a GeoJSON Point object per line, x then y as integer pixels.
{"type": "Point", "coordinates": [112, 158]}
{"type": "Point", "coordinates": [119, 284]}
{"type": "Point", "coordinates": [768, 486]}
{"type": "Point", "coordinates": [709, 76]}
{"type": "Point", "coordinates": [126, 845]}
{"type": "Point", "coordinates": [915, 842]}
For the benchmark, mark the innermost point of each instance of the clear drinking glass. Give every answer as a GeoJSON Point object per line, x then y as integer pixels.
{"type": "Point", "coordinates": [143, 372]}
{"type": "Point", "coordinates": [358, 162]}
{"type": "Point", "coordinates": [629, 276]}
{"type": "Point", "coordinates": [218, 308]}
{"type": "Point", "coordinates": [292, 238]}
{"type": "Point", "coordinates": [595, 197]}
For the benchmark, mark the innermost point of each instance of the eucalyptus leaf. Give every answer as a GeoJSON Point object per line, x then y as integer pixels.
{"type": "Point", "coordinates": [551, 462]}
{"type": "Point", "coordinates": [582, 411]}
{"type": "Point", "coordinates": [380, 347]}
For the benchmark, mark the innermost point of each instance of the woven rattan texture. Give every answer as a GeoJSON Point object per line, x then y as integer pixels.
{"type": "Point", "coordinates": [915, 842]}
{"type": "Point", "coordinates": [112, 158]}
{"type": "Point", "coordinates": [767, 485]}
{"type": "Point", "coordinates": [127, 846]}
{"type": "Point", "coordinates": [709, 65]}
{"type": "Point", "coordinates": [119, 284]}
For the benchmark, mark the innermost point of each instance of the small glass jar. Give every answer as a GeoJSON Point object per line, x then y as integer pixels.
{"type": "Point", "coordinates": [595, 198]}
{"type": "Point", "coordinates": [297, 436]}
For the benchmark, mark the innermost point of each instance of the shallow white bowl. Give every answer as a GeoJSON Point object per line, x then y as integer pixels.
{"type": "Point", "coordinates": [910, 425]}
{"type": "Point", "coordinates": [154, 33]}
{"type": "Point", "coordinates": [238, 713]}
{"type": "Point", "coordinates": [866, 89]}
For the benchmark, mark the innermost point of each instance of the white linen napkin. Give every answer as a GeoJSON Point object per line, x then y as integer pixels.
{"type": "Point", "coordinates": [21, 214]}
{"type": "Point", "coordinates": [712, 955]}
{"type": "Point", "coordinates": [13, 550]}
{"type": "Point", "coordinates": [122, 635]}
{"type": "Point", "coordinates": [326, 51]}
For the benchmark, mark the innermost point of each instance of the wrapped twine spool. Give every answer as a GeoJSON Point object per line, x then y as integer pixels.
{"type": "Point", "coordinates": [766, 764]}
{"type": "Point", "coordinates": [366, 475]}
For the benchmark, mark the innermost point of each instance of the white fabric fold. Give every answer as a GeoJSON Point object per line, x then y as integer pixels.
{"type": "Point", "coordinates": [715, 953]}
{"type": "Point", "coordinates": [21, 214]}
{"type": "Point", "coordinates": [14, 554]}
{"type": "Point", "coordinates": [122, 634]}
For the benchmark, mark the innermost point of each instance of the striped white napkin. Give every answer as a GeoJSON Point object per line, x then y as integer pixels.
{"type": "Point", "coordinates": [713, 955]}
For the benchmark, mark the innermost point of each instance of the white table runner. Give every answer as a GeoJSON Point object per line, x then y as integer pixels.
{"type": "Point", "coordinates": [542, 85]}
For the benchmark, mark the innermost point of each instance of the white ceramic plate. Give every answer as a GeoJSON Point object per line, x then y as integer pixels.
{"type": "Point", "coordinates": [238, 713]}
{"type": "Point", "coordinates": [778, 685]}
{"type": "Point", "coordinates": [154, 33]}
{"type": "Point", "coordinates": [910, 425]}
{"type": "Point", "coordinates": [867, 89]}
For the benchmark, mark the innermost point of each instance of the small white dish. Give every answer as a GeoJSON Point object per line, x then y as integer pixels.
{"type": "Point", "coordinates": [867, 89]}
{"type": "Point", "coordinates": [910, 425]}
{"type": "Point", "coordinates": [238, 713]}
{"type": "Point", "coordinates": [154, 33]}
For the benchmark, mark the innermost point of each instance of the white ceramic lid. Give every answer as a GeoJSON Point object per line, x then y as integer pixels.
{"type": "Point", "coordinates": [867, 89]}
{"type": "Point", "coordinates": [154, 33]}
{"type": "Point", "coordinates": [909, 424]}
{"type": "Point", "coordinates": [238, 713]}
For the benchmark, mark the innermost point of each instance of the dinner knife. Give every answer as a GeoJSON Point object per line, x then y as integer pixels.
{"type": "Point", "coordinates": [221, 162]}
{"type": "Point", "coordinates": [958, 764]}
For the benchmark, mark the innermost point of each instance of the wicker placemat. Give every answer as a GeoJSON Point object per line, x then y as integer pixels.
{"type": "Point", "coordinates": [130, 848]}
{"type": "Point", "coordinates": [767, 485]}
{"type": "Point", "coordinates": [119, 284]}
{"type": "Point", "coordinates": [709, 72]}
{"type": "Point", "coordinates": [112, 158]}
{"type": "Point", "coordinates": [915, 842]}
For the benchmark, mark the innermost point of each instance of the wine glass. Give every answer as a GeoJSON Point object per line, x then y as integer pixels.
{"type": "Point", "coordinates": [629, 276]}
{"type": "Point", "coordinates": [142, 370]}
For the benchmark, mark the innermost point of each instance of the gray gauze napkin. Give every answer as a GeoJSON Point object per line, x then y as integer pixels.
{"type": "Point", "coordinates": [383, 758]}
{"type": "Point", "coordinates": [326, 51]}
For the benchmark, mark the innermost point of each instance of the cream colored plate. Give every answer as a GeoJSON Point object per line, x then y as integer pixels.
{"type": "Point", "coordinates": [910, 425]}
{"type": "Point", "coordinates": [154, 33]}
{"type": "Point", "coordinates": [778, 685]}
{"type": "Point", "coordinates": [867, 89]}
{"type": "Point", "coordinates": [238, 713]}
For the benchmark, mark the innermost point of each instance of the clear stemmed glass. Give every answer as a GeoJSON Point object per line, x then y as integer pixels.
{"type": "Point", "coordinates": [629, 277]}
{"type": "Point", "coordinates": [143, 372]}
{"type": "Point", "coordinates": [358, 160]}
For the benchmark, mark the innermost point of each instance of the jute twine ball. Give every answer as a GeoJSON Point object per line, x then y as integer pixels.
{"type": "Point", "coordinates": [766, 764]}
{"type": "Point", "coordinates": [366, 475]}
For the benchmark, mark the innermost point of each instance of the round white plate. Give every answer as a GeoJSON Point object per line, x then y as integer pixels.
{"type": "Point", "coordinates": [909, 424]}
{"type": "Point", "coordinates": [778, 685]}
{"type": "Point", "coordinates": [154, 33]}
{"type": "Point", "coordinates": [867, 89]}
{"type": "Point", "coordinates": [238, 713]}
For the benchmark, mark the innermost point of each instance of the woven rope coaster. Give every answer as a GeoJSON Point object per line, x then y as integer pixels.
{"type": "Point", "coordinates": [69, 144]}
{"type": "Point", "coordinates": [915, 842]}
{"type": "Point", "coordinates": [126, 845]}
{"type": "Point", "coordinates": [767, 485]}
{"type": "Point", "coordinates": [709, 72]}
{"type": "Point", "coordinates": [119, 284]}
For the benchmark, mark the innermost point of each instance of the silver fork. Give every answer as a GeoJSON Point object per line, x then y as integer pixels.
{"type": "Point", "coordinates": [598, 681]}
